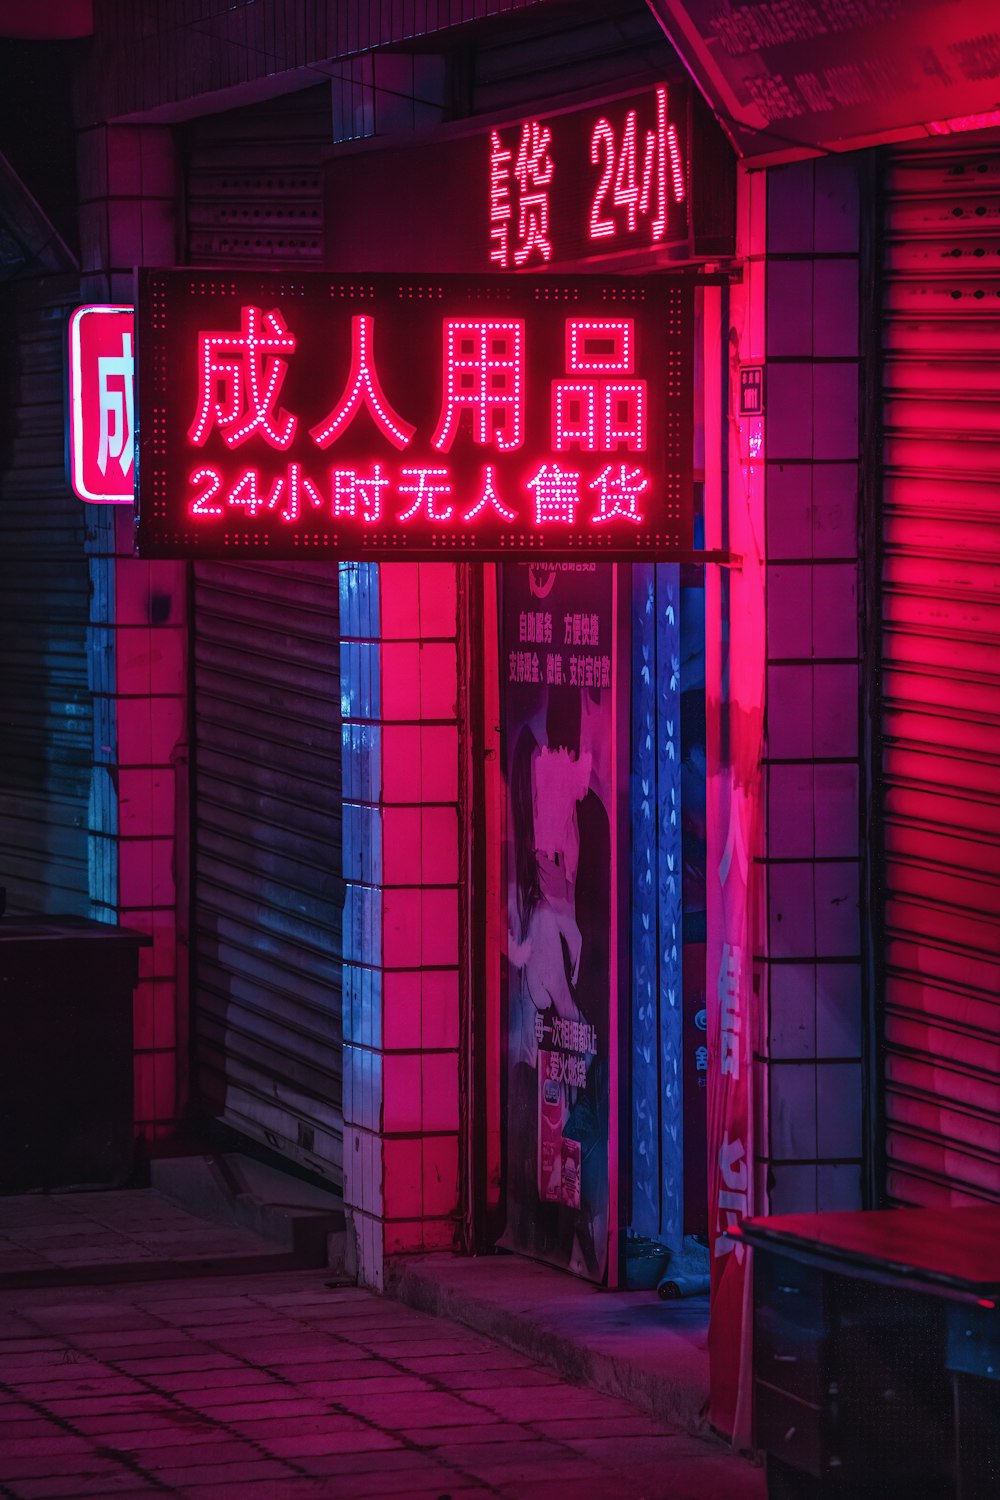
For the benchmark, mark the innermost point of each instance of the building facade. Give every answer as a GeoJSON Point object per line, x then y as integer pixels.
{"type": "Point", "coordinates": [297, 777]}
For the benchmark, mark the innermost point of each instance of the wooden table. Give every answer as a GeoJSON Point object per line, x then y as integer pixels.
{"type": "Point", "coordinates": [877, 1352]}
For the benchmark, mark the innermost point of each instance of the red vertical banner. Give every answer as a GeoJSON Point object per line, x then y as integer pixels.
{"type": "Point", "coordinates": [730, 1116]}
{"type": "Point", "coordinates": [735, 676]}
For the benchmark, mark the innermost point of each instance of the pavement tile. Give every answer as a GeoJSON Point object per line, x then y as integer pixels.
{"type": "Point", "coordinates": [291, 1407]}
{"type": "Point", "coordinates": [291, 1343]}
{"type": "Point", "coordinates": [580, 1487]}
{"type": "Point", "coordinates": [221, 1449]}
{"type": "Point", "coordinates": [321, 1294]}
{"type": "Point", "coordinates": [112, 1344]}
{"type": "Point", "coordinates": [444, 1437]}
{"type": "Point", "coordinates": [227, 1389]}
{"type": "Point", "coordinates": [482, 1380]}
{"type": "Point", "coordinates": [122, 1483]}
{"type": "Point", "coordinates": [60, 1370]}
{"type": "Point", "coordinates": [55, 1391]}
{"type": "Point", "coordinates": [197, 1388]}
{"type": "Point", "coordinates": [559, 1401]}
{"type": "Point", "coordinates": [305, 1424]}
{"type": "Point", "coordinates": [80, 1323]}
{"type": "Point", "coordinates": [310, 1354]}
{"type": "Point", "coordinates": [303, 1448]}
{"type": "Point", "coordinates": [13, 1327]}
{"type": "Point", "coordinates": [405, 1462]}
{"type": "Point", "coordinates": [226, 1335]}
{"type": "Point", "coordinates": [22, 1427]}
{"type": "Point", "coordinates": [56, 1463]}
{"type": "Point", "coordinates": [109, 1427]}
{"type": "Point", "coordinates": [27, 1346]}
{"type": "Point", "coordinates": [367, 1318]}
{"type": "Point", "coordinates": [179, 1364]}
{"type": "Point", "coordinates": [416, 1409]}
{"type": "Point", "coordinates": [215, 1401]}
{"type": "Point", "coordinates": [266, 1489]}
{"type": "Point", "coordinates": [375, 1385]}
{"type": "Point", "coordinates": [375, 1486]}
{"type": "Point", "coordinates": [562, 1472]}
{"type": "Point", "coordinates": [69, 1408]}
{"type": "Point", "coordinates": [189, 1382]}
{"type": "Point", "coordinates": [570, 1427]}
{"type": "Point", "coordinates": [492, 1359]}
{"type": "Point", "coordinates": [517, 1448]}
{"type": "Point", "coordinates": [54, 1442]}
{"type": "Point", "coordinates": [134, 1440]}
{"type": "Point", "coordinates": [250, 1472]}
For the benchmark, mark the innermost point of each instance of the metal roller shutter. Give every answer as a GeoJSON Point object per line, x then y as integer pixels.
{"type": "Point", "coordinates": [267, 885]}
{"type": "Point", "coordinates": [267, 875]}
{"type": "Point", "coordinates": [941, 675]}
{"type": "Point", "coordinates": [46, 709]}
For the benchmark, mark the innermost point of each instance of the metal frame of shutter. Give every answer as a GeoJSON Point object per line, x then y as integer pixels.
{"type": "Point", "coordinates": [46, 706]}
{"type": "Point", "coordinates": [940, 700]}
{"type": "Point", "coordinates": [267, 887]}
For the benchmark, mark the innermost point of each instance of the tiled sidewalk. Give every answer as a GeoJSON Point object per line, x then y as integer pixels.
{"type": "Point", "coordinates": [58, 1236]}
{"type": "Point", "coordinates": [264, 1386]}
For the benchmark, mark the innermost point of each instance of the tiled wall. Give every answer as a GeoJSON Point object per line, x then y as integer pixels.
{"type": "Point", "coordinates": [399, 677]}
{"type": "Point", "coordinates": [137, 645]}
{"type": "Point", "coordinates": [811, 1144]}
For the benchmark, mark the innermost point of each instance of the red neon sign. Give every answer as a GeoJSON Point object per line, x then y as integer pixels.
{"type": "Point", "coordinates": [379, 415]}
{"type": "Point", "coordinates": [629, 162]}
{"type": "Point", "coordinates": [101, 427]}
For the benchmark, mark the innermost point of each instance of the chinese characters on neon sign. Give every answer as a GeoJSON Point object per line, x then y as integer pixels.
{"type": "Point", "coordinates": [630, 158]}
{"type": "Point", "coordinates": [384, 415]}
{"type": "Point", "coordinates": [101, 444]}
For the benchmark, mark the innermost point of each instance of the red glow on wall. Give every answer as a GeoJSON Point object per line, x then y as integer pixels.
{"type": "Point", "coordinates": [101, 425]}
{"type": "Point", "coordinates": [382, 415]}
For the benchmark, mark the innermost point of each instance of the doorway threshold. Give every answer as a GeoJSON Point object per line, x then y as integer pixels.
{"type": "Point", "coordinates": [650, 1352]}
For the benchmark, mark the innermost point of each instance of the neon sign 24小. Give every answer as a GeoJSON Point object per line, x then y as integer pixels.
{"type": "Point", "coordinates": [632, 158]}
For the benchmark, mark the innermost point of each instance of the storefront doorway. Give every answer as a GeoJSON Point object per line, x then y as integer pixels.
{"type": "Point", "coordinates": [592, 1119]}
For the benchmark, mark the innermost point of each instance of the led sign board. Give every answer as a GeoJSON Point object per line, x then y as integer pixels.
{"type": "Point", "coordinates": [376, 416]}
{"type": "Point", "coordinates": [589, 182]}
{"type": "Point", "coordinates": [101, 427]}
{"type": "Point", "coordinates": [642, 178]}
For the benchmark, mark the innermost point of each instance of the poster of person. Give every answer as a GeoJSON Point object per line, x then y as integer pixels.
{"type": "Point", "coordinates": [556, 641]}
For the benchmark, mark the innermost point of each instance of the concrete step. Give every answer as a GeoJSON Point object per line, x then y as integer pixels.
{"type": "Point", "coordinates": [301, 1218]}
{"type": "Point", "coordinates": [650, 1352]}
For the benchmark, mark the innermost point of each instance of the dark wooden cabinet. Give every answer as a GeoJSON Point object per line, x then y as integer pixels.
{"type": "Point", "coordinates": [877, 1354]}
{"type": "Point", "coordinates": [66, 1052]}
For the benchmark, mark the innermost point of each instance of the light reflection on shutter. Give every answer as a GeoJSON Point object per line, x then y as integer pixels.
{"type": "Point", "coordinates": [941, 674]}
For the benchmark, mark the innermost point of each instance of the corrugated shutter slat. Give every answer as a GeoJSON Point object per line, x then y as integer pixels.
{"type": "Point", "coordinates": [941, 676]}
{"type": "Point", "coordinates": [46, 707]}
{"type": "Point", "coordinates": [268, 886]}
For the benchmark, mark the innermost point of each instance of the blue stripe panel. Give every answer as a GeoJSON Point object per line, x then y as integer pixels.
{"type": "Point", "coordinates": [362, 848]}
{"type": "Point", "coordinates": [669, 900]}
{"type": "Point", "coordinates": [645, 1113]}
